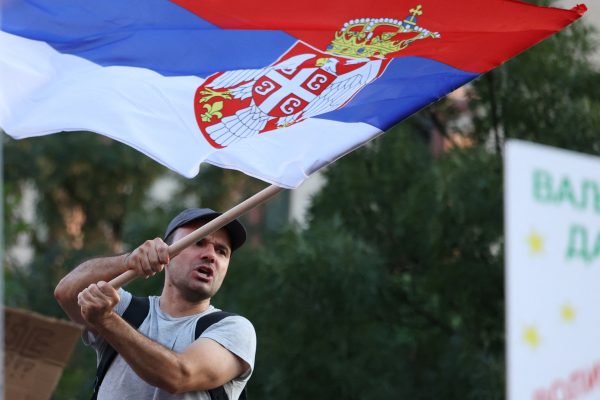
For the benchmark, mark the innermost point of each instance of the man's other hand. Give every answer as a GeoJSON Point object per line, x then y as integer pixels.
{"type": "Point", "coordinates": [97, 302]}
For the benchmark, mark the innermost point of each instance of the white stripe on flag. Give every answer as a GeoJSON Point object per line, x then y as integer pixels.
{"type": "Point", "coordinates": [44, 92]}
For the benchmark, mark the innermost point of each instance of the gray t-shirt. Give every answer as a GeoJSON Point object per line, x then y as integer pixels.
{"type": "Point", "coordinates": [235, 333]}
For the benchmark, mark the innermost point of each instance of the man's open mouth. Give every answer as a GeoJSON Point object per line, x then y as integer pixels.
{"type": "Point", "coordinates": [203, 273]}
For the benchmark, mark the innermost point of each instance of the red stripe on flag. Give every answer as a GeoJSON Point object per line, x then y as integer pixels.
{"type": "Point", "coordinates": [476, 35]}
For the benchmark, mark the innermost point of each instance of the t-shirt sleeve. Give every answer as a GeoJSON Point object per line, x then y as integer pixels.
{"type": "Point", "coordinates": [237, 335]}
{"type": "Point", "coordinates": [91, 339]}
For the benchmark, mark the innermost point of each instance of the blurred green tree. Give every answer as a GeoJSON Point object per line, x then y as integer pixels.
{"type": "Point", "coordinates": [395, 289]}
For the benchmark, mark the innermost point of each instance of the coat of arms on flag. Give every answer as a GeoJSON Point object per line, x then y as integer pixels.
{"type": "Point", "coordinates": [304, 82]}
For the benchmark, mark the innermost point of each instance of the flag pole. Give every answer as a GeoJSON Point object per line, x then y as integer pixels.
{"type": "Point", "coordinates": [208, 228]}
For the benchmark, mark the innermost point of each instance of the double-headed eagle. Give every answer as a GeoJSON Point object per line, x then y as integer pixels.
{"type": "Point", "coordinates": [307, 84]}
{"type": "Point", "coordinates": [253, 119]}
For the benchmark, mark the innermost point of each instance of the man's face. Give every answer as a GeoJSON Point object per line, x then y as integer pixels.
{"type": "Point", "coordinates": [199, 270]}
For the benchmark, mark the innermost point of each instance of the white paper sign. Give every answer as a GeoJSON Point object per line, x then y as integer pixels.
{"type": "Point", "coordinates": [552, 225]}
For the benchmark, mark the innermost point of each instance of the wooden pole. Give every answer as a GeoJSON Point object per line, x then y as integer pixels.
{"type": "Point", "coordinates": [210, 227]}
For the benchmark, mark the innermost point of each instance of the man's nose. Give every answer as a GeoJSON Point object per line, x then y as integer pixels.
{"type": "Point", "coordinates": [209, 252]}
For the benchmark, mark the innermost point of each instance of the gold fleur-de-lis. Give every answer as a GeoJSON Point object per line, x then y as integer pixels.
{"type": "Point", "coordinates": [212, 110]}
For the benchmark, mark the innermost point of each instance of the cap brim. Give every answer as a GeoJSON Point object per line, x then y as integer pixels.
{"type": "Point", "coordinates": [235, 230]}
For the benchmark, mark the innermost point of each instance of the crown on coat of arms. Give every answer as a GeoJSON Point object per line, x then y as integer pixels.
{"type": "Point", "coordinates": [377, 37]}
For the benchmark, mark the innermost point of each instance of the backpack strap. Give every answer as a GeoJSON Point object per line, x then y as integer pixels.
{"type": "Point", "coordinates": [202, 324]}
{"type": "Point", "coordinates": [135, 314]}
{"type": "Point", "coordinates": [210, 319]}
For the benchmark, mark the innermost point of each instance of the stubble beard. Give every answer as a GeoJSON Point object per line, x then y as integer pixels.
{"type": "Point", "coordinates": [191, 291]}
{"type": "Point", "coordinates": [194, 294]}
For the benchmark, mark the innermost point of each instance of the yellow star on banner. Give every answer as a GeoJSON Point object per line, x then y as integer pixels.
{"type": "Point", "coordinates": [531, 336]}
{"type": "Point", "coordinates": [567, 313]}
{"type": "Point", "coordinates": [535, 242]}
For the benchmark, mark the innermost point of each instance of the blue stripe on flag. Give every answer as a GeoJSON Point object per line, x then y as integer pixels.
{"type": "Point", "coordinates": [407, 85]}
{"type": "Point", "coordinates": [154, 34]}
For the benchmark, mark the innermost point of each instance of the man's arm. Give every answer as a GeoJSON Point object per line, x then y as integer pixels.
{"type": "Point", "coordinates": [146, 260]}
{"type": "Point", "coordinates": [203, 365]}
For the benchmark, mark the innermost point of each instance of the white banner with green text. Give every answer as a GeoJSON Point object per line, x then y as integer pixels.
{"type": "Point", "coordinates": [552, 227]}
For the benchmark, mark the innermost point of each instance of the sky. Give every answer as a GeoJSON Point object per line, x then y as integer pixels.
{"type": "Point", "coordinates": [592, 16]}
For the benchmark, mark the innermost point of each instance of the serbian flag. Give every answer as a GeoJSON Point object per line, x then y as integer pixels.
{"type": "Point", "coordinates": [274, 89]}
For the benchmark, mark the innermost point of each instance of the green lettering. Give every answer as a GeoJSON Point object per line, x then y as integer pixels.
{"type": "Point", "coordinates": [596, 250]}
{"type": "Point", "coordinates": [542, 186]}
{"type": "Point", "coordinates": [590, 189]}
{"type": "Point", "coordinates": [590, 195]}
{"type": "Point", "coordinates": [565, 192]}
{"type": "Point", "coordinates": [578, 244]}
{"type": "Point", "coordinates": [585, 197]}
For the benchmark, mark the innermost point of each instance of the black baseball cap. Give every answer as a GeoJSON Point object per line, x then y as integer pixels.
{"type": "Point", "coordinates": [236, 231]}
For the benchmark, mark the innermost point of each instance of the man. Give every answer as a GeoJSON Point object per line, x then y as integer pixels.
{"type": "Point", "coordinates": [163, 360]}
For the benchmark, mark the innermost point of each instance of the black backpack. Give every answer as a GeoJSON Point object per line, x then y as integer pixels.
{"type": "Point", "coordinates": [135, 314]}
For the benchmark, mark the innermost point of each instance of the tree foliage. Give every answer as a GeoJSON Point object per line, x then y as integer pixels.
{"type": "Point", "coordinates": [395, 290]}
{"type": "Point", "coordinates": [395, 287]}
{"type": "Point", "coordinates": [395, 293]}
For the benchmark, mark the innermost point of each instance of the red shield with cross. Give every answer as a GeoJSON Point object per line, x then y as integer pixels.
{"type": "Point", "coordinates": [283, 92]}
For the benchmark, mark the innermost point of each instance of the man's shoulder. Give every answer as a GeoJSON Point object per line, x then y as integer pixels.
{"type": "Point", "coordinates": [236, 334]}
{"type": "Point", "coordinates": [228, 317]}
{"type": "Point", "coordinates": [226, 323]}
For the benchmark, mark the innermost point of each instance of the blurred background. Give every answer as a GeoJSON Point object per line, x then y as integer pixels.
{"type": "Point", "coordinates": [379, 278]}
